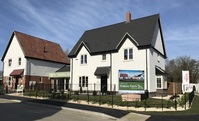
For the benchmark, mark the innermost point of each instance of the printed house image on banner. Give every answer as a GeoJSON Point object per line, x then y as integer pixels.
{"type": "Point", "coordinates": [127, 57]}
{"type": "Point", "coordinates": [28, 60]}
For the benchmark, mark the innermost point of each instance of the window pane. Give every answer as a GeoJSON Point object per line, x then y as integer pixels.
{"type": "Point", "coordinates": [130, 53]}
{"type": "Point", "coordinates": [125, 54]}
{"type": "Point", "coordinates": [82, 59]}
{"type": "Point", "coordinates": [19, 61]}
{"type": "Point", "coordinates": [9, 62]}
{"type": "Point", "coordinates": [104, 57]}
{"type": "Point", "coordinates": [85, 59]}
{"type": "Point", "coordinates": [86, 81]}
{"type": "Point", "coordinates": [158, 82]}
{"type": "Point", "coordinates": [83, 85]}
{"type": "Point", "coordinates": [80, 82]}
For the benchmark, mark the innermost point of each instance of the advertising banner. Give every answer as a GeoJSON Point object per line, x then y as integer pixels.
{"type": "Point", "coordinates": [185, 77]}
{"type": "Point", "coordinates": [185, 81]}
{"type": "Point", "coordinates": [131, 81]}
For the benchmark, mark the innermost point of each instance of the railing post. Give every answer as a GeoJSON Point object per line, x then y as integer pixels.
{"type": "Point", "coordinates": [112, 98]}
{"type": "Point", "coordinates": [162, 102]}
{"type": "Point", "coordinates": [185, 101]}
{"type": "Point", "coordinates": [88, 94]}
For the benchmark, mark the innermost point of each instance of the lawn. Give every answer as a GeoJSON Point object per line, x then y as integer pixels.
{"type": "Point", "coordinates": [194, 110]}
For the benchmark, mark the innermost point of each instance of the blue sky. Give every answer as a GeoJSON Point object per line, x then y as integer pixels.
{"type": "Point", "coordinates": [64, 21]}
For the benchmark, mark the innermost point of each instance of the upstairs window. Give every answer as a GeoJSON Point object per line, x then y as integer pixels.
{"type": "Point", "coordinates": [128, 54]}
{"type": "Point", "coordinates": [83, 59]}
{"type": "Point", "coordinates": [19, 61]}
{"type": "Point", "coordinates": [158, 58]}
{"type": "Point", "coordinates": [10, 62]}
{"type": "Point", "coordinates": [104, 57]}
{"type": "Point", "coordinates": [125, 54]}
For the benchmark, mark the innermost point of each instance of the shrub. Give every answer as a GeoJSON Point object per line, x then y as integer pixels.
{"type": "Point", "coordinates": [170, 104]}
{"type": "Point", "coordinates": [182, 101]}
{"type": "Point", "coordinates": [94, 93]}
{"type": "Point", "coordinates": [1, 90]}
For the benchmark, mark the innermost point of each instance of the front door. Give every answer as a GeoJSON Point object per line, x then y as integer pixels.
{"type": "Point", "coordinates": [103, 84]}
{"type": "Point", "coordinates": [16, 82]}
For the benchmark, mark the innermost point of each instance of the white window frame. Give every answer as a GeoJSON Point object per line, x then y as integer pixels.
{"type": "Point", "coordinates": [130, 54]}
{"type": "Point", "coordinates": [83, 59]}
{"type": "Point", "coordinates": [19, 61]}
{"type": "Point", "coordinates": [158, 58]}
{"type": "Point", "coordinates": [127, 54]}
{"type": "Point", "coordinates": [103, 57]}
{"type": "Point", "coordinates": [9, 62]}
{"type": "Point", "coordinates": [159, 82]}
{"type": "Point", "coordinates": [83, 81]}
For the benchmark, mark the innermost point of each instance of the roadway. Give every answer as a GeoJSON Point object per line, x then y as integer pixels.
{"type": "Point", "coordinates": [14, 108]}
{"type": "Point", "coordinates": [17, 111]}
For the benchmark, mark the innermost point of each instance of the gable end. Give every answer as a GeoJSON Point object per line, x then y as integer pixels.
{"type": "Point", "coordinates": [127, 35]}
{"type": "Point", "coordinates": [4, 54]}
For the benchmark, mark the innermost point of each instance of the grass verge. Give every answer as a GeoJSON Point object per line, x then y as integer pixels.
{"type": "Point", "coordinates": [192, 111]}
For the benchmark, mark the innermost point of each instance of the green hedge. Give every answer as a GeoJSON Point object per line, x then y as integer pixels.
{"type": "Point", "coordinates": [105, 99]}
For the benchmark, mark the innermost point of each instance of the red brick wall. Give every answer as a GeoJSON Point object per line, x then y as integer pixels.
{"type": "Point", "coordinates": [12, 87]}
{"type": "Point", "coordinates": [44, 85]}
{"type": "Point", "coordinates": [25, 82]}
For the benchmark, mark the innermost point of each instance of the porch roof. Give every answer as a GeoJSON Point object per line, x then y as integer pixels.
{"type": "Point", "coordinates": [17, 72]}
{"type": "Point", "coordinates": [102, 70]}
{"type": "Point", "coordinates": [159, 71]}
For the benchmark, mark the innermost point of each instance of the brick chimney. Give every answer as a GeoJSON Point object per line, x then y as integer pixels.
{"type": "Point", "coordinates": [128, 17]}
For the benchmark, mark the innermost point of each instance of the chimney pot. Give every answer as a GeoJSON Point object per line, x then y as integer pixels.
{"type": "Point", "coordinates": [128, 17]}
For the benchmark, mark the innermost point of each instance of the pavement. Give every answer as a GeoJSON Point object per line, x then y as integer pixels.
{"type": "Point", "coordinates": [116, 114]}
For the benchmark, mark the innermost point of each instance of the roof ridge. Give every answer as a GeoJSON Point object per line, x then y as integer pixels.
{"type": "Point", "coordinates": [123, 22]}
{"type": "Point", "coordinates": [34, 37]}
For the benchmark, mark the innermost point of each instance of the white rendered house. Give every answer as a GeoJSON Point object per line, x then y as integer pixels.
{"type": "Point", "coordinates": [127, 57]}
{"type": "Point", "coordinates": [28, 60]}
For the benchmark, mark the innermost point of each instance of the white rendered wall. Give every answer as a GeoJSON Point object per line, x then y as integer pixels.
{"type": "Point", "coordinates": [88, 69]}
{"type": "Point", "coordinates": [157, 40]}
{"type": "Point", "coordinates": [14, 52]}
{"type": "Point", "coordinates": [155, 59]}
{"type": "Point", "coordinates": [118, 62]}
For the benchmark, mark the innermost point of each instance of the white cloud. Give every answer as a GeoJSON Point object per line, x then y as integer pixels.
{"type": "Point", "coordinates": [183, 33]}
{"type": "Point", "coordinates": [64, 21]}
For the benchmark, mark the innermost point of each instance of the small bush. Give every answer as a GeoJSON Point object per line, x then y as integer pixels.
{"type": "Point", "coordinates": [94, 93]}
{"type": "Point", "coordinates": [182, 101]}
{"type": "Point", "coordinates": [1, 90]}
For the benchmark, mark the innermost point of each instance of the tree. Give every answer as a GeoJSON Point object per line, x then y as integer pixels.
{"type": "Point", "coordinates": [67, 51]}
{"type": "Point", "coordinates": [174, 69]}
